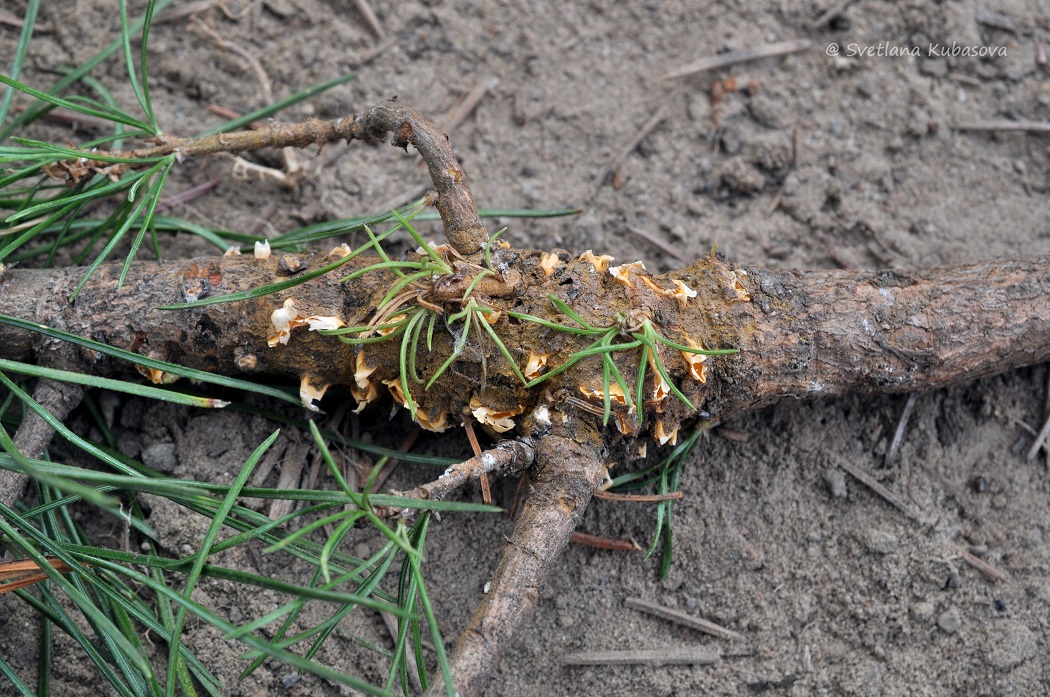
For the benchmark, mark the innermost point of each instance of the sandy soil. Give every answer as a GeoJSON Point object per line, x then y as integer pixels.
{"type": "Point", "coordinates": [807, 160]}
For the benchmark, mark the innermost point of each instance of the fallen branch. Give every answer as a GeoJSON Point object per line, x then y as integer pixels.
{"type": "Point", "coordinates": [580, 357]}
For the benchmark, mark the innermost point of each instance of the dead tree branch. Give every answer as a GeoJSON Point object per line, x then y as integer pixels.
{"type": "Point", "coordinates": [797, 334]}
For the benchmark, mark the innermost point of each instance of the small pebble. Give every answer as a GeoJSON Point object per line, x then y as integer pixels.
{"type": "Point", "coordinates": [950, 620]}
{"type": "Point", "coordinates": [161, 457]}
{"type": "Point", "coordinates": [881, 542]}
{"type": "Point", "coordinates": [835, 480]}
{"type": "Point", "coordinates": [922, 610]}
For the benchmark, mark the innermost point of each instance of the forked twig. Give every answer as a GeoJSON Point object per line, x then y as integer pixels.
{"type": "Point", "coordinates": [567, 473]}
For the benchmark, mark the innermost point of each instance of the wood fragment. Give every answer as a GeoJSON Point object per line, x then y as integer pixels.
{"type": "Point", "coordinates": [870, 482]}
{"type": "Point", "coordinates": [724, 60]}
{"type": "Point", "coordinates": [902, 426]}
{"type": "Point", "coordinates": [72, 118]}
{"type": "Point", "coordinates": [506, 457]}
{"type": "Point", "coordinates": [683, 619]}
{"type": "Point", "coordinates": [1005, 125]}
{"type": "Point", "coordinates": [638, 498]}
{"type": "Point", "coordinates": [34, 433]}
{"type": "Point", "coordinates": [370, 18]}
{"type": "Point", "coordinates": [393, 463]}
{"type": "Point", "coordinates": [290, 474]}
{"type": "Point", "coordinates": [568, 472]}
{"type": "Point", "coordinates": [981, 565]}
{"type": "Point", "coordinates": [184, 197]}
{"type": "Point", "coordinates": [691, 656]}
{"type": "Point", "coordinates": [1040, 439]}
{"type": "Point", "coordinates": [25, 572]}
{"type": "Point", "coordinates": [467, 103]}
{"type": "Point", "coordinates": [657, 242]}
{"type": "Point", "coordinates": [610, 171]}
{"type": "Point", "coordinates": [598, 542]}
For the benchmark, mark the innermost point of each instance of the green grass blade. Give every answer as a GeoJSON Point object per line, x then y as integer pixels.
{"type": "Point", "coordinates": [262, 290]}
{"type": "Point", "coordinates": [35, 110]}
{"type": "Point", "coordinates": [461, 343]}
{"type": "Point", "coordinates": [125, 39]}
{"type": "Point", "coordinates": [20, 463]}
{"type": "Point", "coordinates": [46, 656]}
{"type": "Point", "coordinates": [502, 348]}
{"type": "Point", "coordinates": [147, 103]}
{"type": "Point", "coordinates": [16, 682]}
{"type": "Point", "coordinates": [395, 265]}
{"type": "Point", "coordinates": [121, 231]}
{"type": "Point", "coordinates": [174, 654]}
{"type": "Point", "coordinates": [19, 534]}
{"type": "Point", "coordinates": [152, 197]}
{"type": "Point", "coordinates": [110, 384]}
{"type": "Point", "coordinates": [640, 384]}
{"type": "Point", "coordinates": [406, 338]}
{"type": "Point", "coordinates": [137, 359]}
{"type": "Point", "coordinates": [552, 325]}
{"type": "Point", "coordinates": [28, 23]}
{"type": "Point", "coordinates": [65, 152]}
{"type": "Point", "coordinates": [225, 626]}
{"type": "Point", "coordinates": [693, 349]}
{"type": "Point", "coordinates": [270, 109]}
{"type": "Point", "coordinates": [71, 105]}
{"type": "Point", "coordinates": [569, 312]}
{"type": "Point", "coordinates": [92, 192]}
{"type": "Point", "coordinates": [430, 252]}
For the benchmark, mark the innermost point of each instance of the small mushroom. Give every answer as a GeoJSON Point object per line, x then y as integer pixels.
{"type": "Point", "coordinates": [318, 322]}
{"type": "Point", "coordinates": [625, 424]}
{"type": "Point", "coordinates": [437, 424]}
{"type": "Point", "coordinates": [365, 390]}
{"type": "Point", "coordinates": [616, 394]}
{"type": "Point", "coordinates": [156, 376]}
{"type": "Point", "coordinates": [262, 249]}
{"type": "Point", "coordinates": [598, 263]}
{"type": "Point", "coordinates": [535, 365]}
{"type": "Point", "coordinates": [394, 385]}
{"type": "Point", "coordinates": [392, 320]}
{"type": "Point", "coordinates": [623, 272]}
{"type": "Point", "coordinates": [441, 249]}
{"type": "Point", "coordinates": [737, 287]}
{"type": "Point", "coordinates": [341, 251]}
{"type": "Point", "coordinates": [309, 393]}
{"type": "Point", "coordinates": [695, 361]}
{"type": "Point", "coordinates": [498, 421]}
{"type": "Point", "coordinates": [661, 435]}
{"type": "Point", "coordinates": [287, 317]}
{"type": "Point", "coordinates": [661, 390]}
{"type": "Point", "coordinates": [232, 252]}
{"type": "Point", "coordinates": [549, 262]}
{"type": "Point", "coordinates": [681, 291]}
{"type": "Point", "coordinates": [282, 320]}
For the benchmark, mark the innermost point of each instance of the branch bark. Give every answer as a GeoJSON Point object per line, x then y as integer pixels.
{"type": "Point", "coordinates": [800, 334]}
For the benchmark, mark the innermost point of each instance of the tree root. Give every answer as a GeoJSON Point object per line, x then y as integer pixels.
{"type": "Point", "coordinates": [509, 457]}
{"type": "Point", "coordinates": [33, 434]}
{"type": "Point", "coordinates": [562, 485]}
